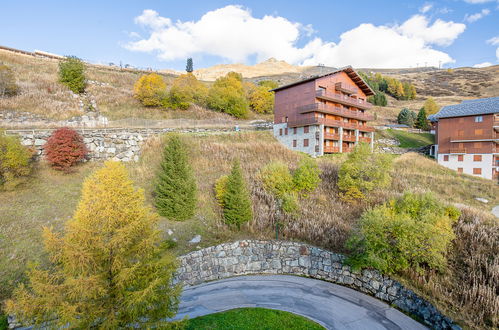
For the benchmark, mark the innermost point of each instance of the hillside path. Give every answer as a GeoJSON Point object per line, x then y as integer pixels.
{"type": "Point", "coordinates": [333, 306]}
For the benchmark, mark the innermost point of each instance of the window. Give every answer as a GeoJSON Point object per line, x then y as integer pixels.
{"type": "Point", "coordinates": [478, 119]}
{"type": "Point", "coordinates": [280, 131]}
{"type": "Point", "coordinates": [477, 171]}
{"type": "Point", "coordinates": [294, 143]}
{"type": "Point", "coordinates": [459, 170]}
{"type": "Point", "coordinates": [478, 131]}
{"type": "Point", "coordinates": [460, 158]}
{"type": "Point", "coordinates": [477, 158]}
{"type": "Point", "coordinates": [446, 158]}
{"type": "Point", "coordinates": [305, 129]}
{"type": "Point", "coordinates": [286, 131]}
{"type": "Point", "coordinates": [294, 130]}
{"type": "Point", "coordinates": [305, 142]}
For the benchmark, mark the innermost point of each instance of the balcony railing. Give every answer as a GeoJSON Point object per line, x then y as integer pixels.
{"type": "Point", "coordinates": [364, 139]}
{"type": "Point", "coordinates": [457, 151]}
{"type": "Point", "coordinates": [331, 136]}
{"type": "Point", "coordinates": [329, 109]}
{"type": "Point", "coordinates": [343, 99]}
{"type": "Point", "coordinates": [310, 120]}
{"type": "Point", "coordinates": [487, 137]}
{"type": "Point", "coordinates": [349, 138]}
{"type": "Point", "coordinates": [331, 149]}
{"type": "Point", "coordinates": [346, 88]}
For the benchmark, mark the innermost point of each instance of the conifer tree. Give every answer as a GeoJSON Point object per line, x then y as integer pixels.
{"type": "Point", "coordinates": [189, 66]}
{"type": "Point", "coordinates": [421, 121]}
{"type": "Point", "coordinates": [237, 201]}
{"type": "Point", "coordinates": [108, 269]}
{"type": "Point", "coordinates": [175, 191]}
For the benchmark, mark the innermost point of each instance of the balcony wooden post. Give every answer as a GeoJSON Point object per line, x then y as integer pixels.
{"type": "Point", "coordinates": [321, 140]}
{"type": "Point", "coordinates": [356, 136]}
{"type": "Point", "coordinates": [340, 131]}
{"type": "Point", "coordinates": [372, 141]}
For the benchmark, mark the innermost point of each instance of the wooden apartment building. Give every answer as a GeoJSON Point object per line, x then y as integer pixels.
{"type": "Point", "coordinates": [324, 114]}
{"type": "Point", "coordinates": [467, 136]}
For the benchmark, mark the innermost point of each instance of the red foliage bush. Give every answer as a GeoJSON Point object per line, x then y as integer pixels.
{"type": "Point", "coordinates": [65, 148]}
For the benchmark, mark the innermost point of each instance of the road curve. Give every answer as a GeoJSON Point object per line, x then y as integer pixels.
{"type": "Point", "coordinates": [333, 306]}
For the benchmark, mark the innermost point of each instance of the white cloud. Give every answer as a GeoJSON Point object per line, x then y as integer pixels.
{"type": "Point", "coordinates": [495, 42]}
{"type": "Point", "coordinates": [475, 17]}
{"type": "Point", "coordinates": [478, 1]}
{"type": "Point", "coordinates": [482, 65]}
{"type": "Point", "coordinates": [234, 34]}
{"type": "Point", "coordinates": [426, 8]}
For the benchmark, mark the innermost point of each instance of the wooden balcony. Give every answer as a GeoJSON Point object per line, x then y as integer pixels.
{"type": "Point", "coordinates": [345, 88]}
{"type": "Point", "coordinates": [489, 137]}
{"type": "Point", "coordinates": [331, 149]}
{"type": "Point", "coordinates": [342, 99]}
{"type": "Point", "coordinates": [457, 151]}
{"type": "Point", "coordinates": [332, 110]}
{"type": "Point", "coordinates": [331, 136]}
{"type": "Point", "coordinates": [312, 120]}
{"type": "Point", "coordinates": [364, 139]}
{"type": "Point", "coordinates": [349, 138]}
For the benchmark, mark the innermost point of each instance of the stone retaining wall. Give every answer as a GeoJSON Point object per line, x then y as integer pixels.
{"type": "Point", "coordinates": [118, 144]}
{"type": "Point", "coordinates": [278, 257]}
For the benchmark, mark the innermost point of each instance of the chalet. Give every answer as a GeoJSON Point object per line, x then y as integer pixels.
{"type": "Point", "coordinates": [324, 114]}
{"type": "Point", "coordinates": [467, 136]}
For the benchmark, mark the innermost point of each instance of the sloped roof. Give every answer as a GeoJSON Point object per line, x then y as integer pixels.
{"type": "Point", "coordinates": [468, 108]}
{"type": "Point", "coordinates": [357, 79]}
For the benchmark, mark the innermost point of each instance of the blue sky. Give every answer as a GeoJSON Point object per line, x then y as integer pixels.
{"type": "Point", "coordinates": [162, 34]}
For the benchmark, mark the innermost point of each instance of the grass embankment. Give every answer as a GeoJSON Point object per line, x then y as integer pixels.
{"type": "Point", "coordinates": [407, 139]}
{"type": "Point", "coordinates": [50, 197]}
{"type": "Point", "coordinates": [252, 318]}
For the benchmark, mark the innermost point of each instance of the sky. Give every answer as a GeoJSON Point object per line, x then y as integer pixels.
{"type": "Point", "coordinates": [163, 34]}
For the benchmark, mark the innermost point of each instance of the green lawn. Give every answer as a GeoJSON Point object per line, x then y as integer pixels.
{"type": "Point", "coordinates": [252, 318]}
{"type": "Point", "coordinates": [407, 139]}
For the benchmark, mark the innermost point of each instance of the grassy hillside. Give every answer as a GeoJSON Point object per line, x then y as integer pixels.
{"type": "Point", "coordinates": [50, 198]}
{"type": "Point", "coordinates": [407, 139]}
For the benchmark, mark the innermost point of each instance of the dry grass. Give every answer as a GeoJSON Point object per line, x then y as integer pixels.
{"type": "Point", "coordinates": [325, 221]}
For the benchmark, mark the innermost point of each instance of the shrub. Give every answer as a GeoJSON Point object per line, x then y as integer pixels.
{"type": "Point", "coordinates": [237, 207]}
{"type": "Point", "coordinates": [109, 263]}
{"type": "Point", "coordinates": [8, 86]}
{"type": "Point", "coordinates": [175, 192]}
{"type": "Point", "coordinates": [414, 231]}
{"type": "Point", "coordinates": [185, 90]}
{"type": "Point", "coordinates": [227, 95]}
{"type": "Point", "coordinates": [289, 203]}
{"type": "Point", "coordinates": [15, 161]}
{"type": "Point", "coordinates": [306, 177]}
{"type": "Point", "coordinates": [72, 74]}
{"type": "Point", "coordinates": [64, 149]}
{"type": "Point", "coordinates": [406, 117]}
{"type": "Point", "coordinates": [277, 178]}
{"type": "Point", "coordinates": [150, 90]}
{"type": "Point", "coordinates": [269, 84]}
{"type": "Point", "coordinates": [362, 172]}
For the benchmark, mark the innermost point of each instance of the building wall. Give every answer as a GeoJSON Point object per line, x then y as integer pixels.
{"type": "Point", "coordinates": [287, 100]}
{"type": "Point", "coordinates": [448, 129]}
{"type": "Point", "coordinates": [287, 139]}
{"type": "Point", "coordinates": [468, 164]}
{"type": "Point", "coordinates": [330, 81]}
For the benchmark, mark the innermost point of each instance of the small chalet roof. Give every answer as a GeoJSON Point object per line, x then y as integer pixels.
{"type": "Point", "coordinates": [357, 79]}
{"type": "Point", "coordinates": [468, 108]}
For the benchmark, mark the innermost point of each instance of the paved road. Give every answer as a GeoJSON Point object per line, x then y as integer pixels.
{"type": "Point", "coordinates": [331, 305]}
{"type": "Point", "coordinates": [495, 211]}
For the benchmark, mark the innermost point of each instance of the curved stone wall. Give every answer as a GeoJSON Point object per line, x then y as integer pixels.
{"type": "Point", "coordinates": [279, 257]}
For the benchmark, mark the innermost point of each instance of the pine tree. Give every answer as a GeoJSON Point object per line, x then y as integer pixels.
{"type": "Point", "coordinates": [237, 201]}
{"type": "Point", "coordinates": [189, 67]}
{"type": "Point", "coordinates": [421, 121]}
{"type": "Point", "coordinates": [108, 269]}
{"type": "Point", "coordinates": [406, 117]}
{"type": "Point", "coordinates": [175, 192]}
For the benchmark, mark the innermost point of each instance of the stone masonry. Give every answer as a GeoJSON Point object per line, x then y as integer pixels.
{"type": "Point", "coordinates": [121, 144]}
{"type": "Point", "coordinates": [248, 257]}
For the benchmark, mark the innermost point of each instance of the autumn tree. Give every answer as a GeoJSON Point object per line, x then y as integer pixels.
{"type": "Point", "coordinates": [237, 208]}
{"type": "Point", "coordinates": [150, 89]}
{"type": "Point", "coordinates": [108, 269]}
{"type": "Point", "coordinates": [72, 74]}
{"type": "Point", "coordinates": [186, 90]}
{"type": "Point", "coordinates": [227, 95]}
{"type": "Point", "coordinates": [430, 106]}
{"type": "Point", "coordinates": [64, 149]}
{"type": "Point", "coordinates": [260, 99]}
{"type": "Point", "coordinates": [8, 86]}
{"type": "Point", "coordinates": [175, 192]}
